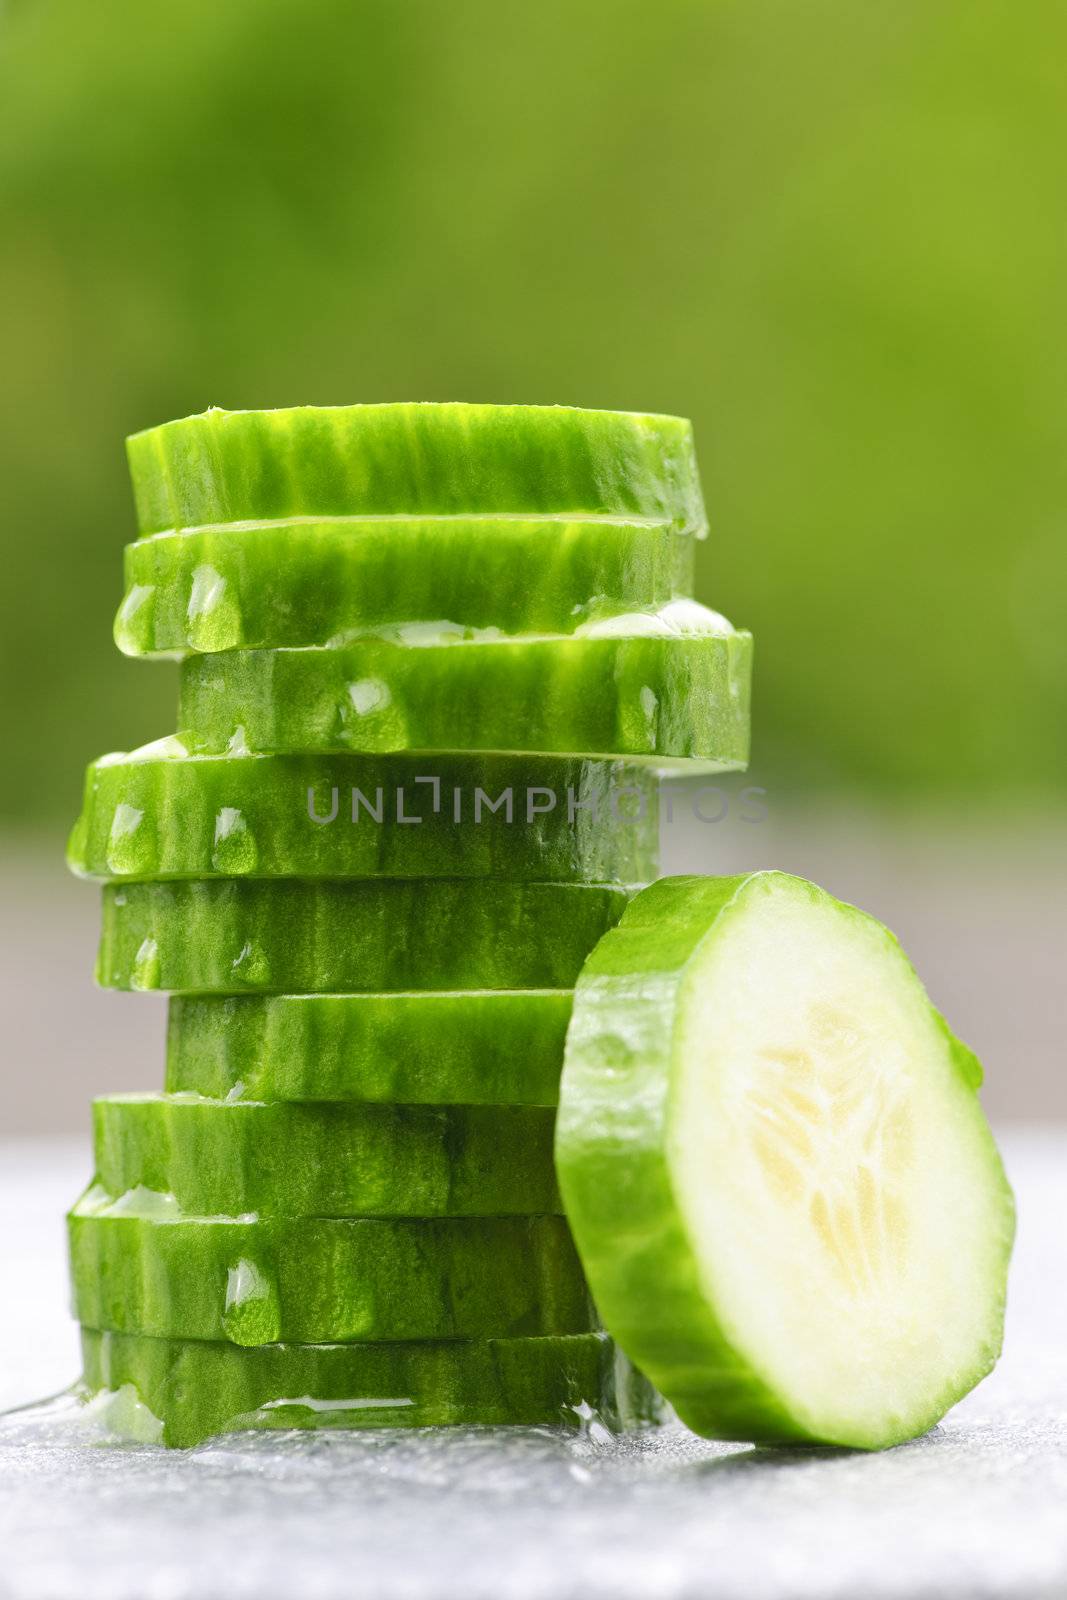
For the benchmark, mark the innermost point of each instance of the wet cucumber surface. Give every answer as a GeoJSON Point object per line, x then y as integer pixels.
{"type": "Point", "coordinates": [147, 816]}
{"type": "Point", "coordinates": [308, 582]}
{"type": "Point", "coordinates": [682, 697]}
{"type": "Point", "coordinates": [315, 1280]}
{"type": "Point", "coordinates": [420, 459]}
{"type": "Point", "coordinates": [494, 1047]}
{"type": "Point", "coordinates": [218, 1158]}
{"type": "Point", "coordinates": [345, 1211]}
{"type": "Point", "coordinates": [196, 1388]}
{"type": "Point", "coordinates": [288, 936]}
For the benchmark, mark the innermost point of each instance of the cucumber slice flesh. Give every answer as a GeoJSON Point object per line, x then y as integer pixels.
{"type": "Point", "coordinates": [497, 1047]}
{"type": "Point", "coordinates": [314, 1280]}
{"type": "Point", "coordinates": [787, 1200]}
{"type": "Point", "coordinates": [195, 1389]}
{"type": "Point", "coordinates": [146, 816]}
{"type": "Point", "coordinates": [660, 697]}
{"type": "Point", "coordinates": [414, 460]}
{"type": "Point", "coordinates": [287, 936]}
{"type": "Point", "coordinates": [257, 586]}
{"type": "Point", "coordinates": [286, 1159]}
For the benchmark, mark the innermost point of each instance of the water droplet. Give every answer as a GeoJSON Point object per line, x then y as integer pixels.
{"type": "Point", "coordinates": [251, 966]}
{"type": "Point", "coordinates": [689, 617]}
{"type": "Point", "coordinates": [146, 966]}
{"type": "Point", "coordinates": [129, 846]}
{"type": "Point", "coordinates": [122, 1414]}
{"type": "Point", "coordinates": [133, 624]}
{"type": "Point", "coordinates": [125, 821]}
{"type": "Point", "coordinates": [370, 719]}
{"type": "Point", "coordinates": [213, 615]}
{"type": "Point", "coordinates": [252, 1313]}
{"type": "Point", "coordinates": [169, 748]}
{"type": "Point", "coordinates": [369, 694]}
{"type": "Point", "coordinates": [139, 1201]}
{"type": "Point", "coordinates": [678, 618]}
{"type": "Point", "coordinates": [76, 845]}
{"type": "Point", "coordinates": [235, 849]}
{"type": "Point", "coordinates": [590, 1425]}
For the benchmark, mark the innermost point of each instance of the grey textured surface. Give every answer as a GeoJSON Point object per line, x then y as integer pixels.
{"type": "Point", "coordinates": [977, 1508]}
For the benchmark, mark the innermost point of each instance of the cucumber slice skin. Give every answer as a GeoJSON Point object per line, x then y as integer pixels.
{"type": "Point", "coordinates": [679, 698]}
{"type": "Point", "coordinates": [198, 1389]}
{"type": "Point", "coordinates": [379, 816]}
{"type": "Point", "coordinates": [422, 459]}
{"type": "Point", "coordinates": [287, 1159]}
{"type": "Point", "coordinates": [612, 1156]}
{"type": "Point", "coordinates": [304, 583]}
{"type": "Point", "coordinates": [315, 1280]}
{"type": "Point", "coordinates": [495, 1048]}
{"type": "Point", "coordinates": [234, 936]}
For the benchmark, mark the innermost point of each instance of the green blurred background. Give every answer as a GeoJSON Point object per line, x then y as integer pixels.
{"type": "Point", "coordinates": [830, 232]}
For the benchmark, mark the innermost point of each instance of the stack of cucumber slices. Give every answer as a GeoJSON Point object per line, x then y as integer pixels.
{"type": "Point", "coordinates": [435, 659]}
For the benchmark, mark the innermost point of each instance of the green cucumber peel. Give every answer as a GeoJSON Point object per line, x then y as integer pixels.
{"type": "Point", "coordinates": [405, 815]}
{"type": "Point", "coordinates": [295, 936]}
{"type": "Point", "coordinates": [494, 1047]}
{"type": "Point", "coordinates": [306, 581]}
{"type": "Point", "coordinates": [323, 1280]}
{"type": "Point", "coordinates": [787, 1200]}
{"type": "Point", "coordinates": [286, 1159]}
{"type": "Point", "coordinates": [193, 1389]}
{"type": "Point", "coordinates": [682, 697]}
{"type": "Point", "coordinates": [423, 459]}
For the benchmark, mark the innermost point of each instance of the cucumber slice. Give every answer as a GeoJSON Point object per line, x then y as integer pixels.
{"type": "Point", "coordinates": [232, 936]}
{"type": "Point", "coordinates": [317, 1280]}
{"type": "Point", "coordinates": [349, 816]}
{"type": "Point", "coordinates": [287, 1159]}
{"type": "Point", "coordinates": [787, 1200]}
{"type": "Point", "coordinates": [414, 460]}
{"type": "Point", "coordinates": [261, 585]}
{"type": "Point", "coordinates": [196, 1389]}
{"type": "Point", "coordinates": [652, 696]}
{"type": "Point", "coordinates": [502, 1047]}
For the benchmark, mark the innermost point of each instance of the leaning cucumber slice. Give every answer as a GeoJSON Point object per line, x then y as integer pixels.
{"type": "Point", "coordinates": [679, 689]}
{"type": "Point", "coordinates": [256, 586]}
{"type": "Point", "coordinates": [779, 1177]}
{"type": "Point", "coordinates": [318, 1280]}
{"type": "Point", "coordinates": [286, 936]}
{"type": "Point", "coordinates": [414, 460]}
{"type": "Point", "coordinates": [290, 1160]}
{"type": "Point", "coordinates": [193, 1389]}
{"type": "Point", "coordinates": [495, 1047]}
{"type": "Point", "coordinates": [147, 815]}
